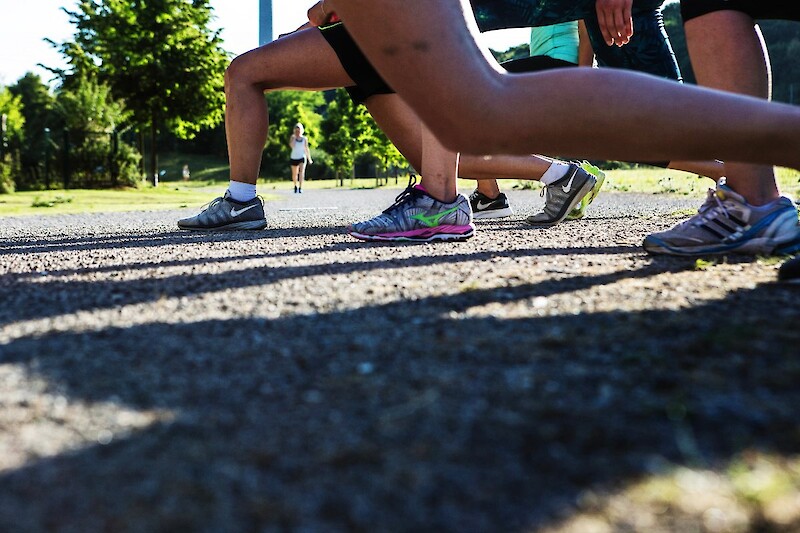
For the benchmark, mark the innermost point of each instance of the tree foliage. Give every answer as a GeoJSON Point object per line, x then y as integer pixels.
{"type": "Point", "coordinates": [40, 120]}
{"type": "Point", "coordinates": [92, 117]}
{"type": "Point", "coordinates": [347, 128]}
{"type": "Point", "coordinates": [12, 133]}
{"type": "Point", "coordinates": [159, 56]}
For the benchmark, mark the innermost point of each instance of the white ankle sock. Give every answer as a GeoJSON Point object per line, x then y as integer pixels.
{"type": "Point", "coordinates": [555, 172]}
{"type": "Point", "coordinates": [242, 192]}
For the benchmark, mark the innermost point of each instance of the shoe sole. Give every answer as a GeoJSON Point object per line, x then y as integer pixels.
{"type": "Point", "coordinates": [493, 213]}
{"type": "Point", "coordinates": [445, 237]}
{"type": "Point", "coordinates": [790, 271]}
{"type": "Point", "coordinates": [236, 226]}
{"type": "Point", "coordinates": [745, 246]}
{"type": "Point", "coordinates": [577, 214]}
{"type": "Point", "coordinates": [582, 192]}
{"type": "Point", "coordinates": [751, 247]}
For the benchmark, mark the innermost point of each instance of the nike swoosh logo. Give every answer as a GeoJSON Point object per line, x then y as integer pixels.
{"type": "Point", "coordinates": [482, 205]}
{"type": "Point", "coordinates": [433, 220]}
{"type": "Point", "coordinates": [235, 213]}
{"type": "Point", "coordinates": [568, 187]}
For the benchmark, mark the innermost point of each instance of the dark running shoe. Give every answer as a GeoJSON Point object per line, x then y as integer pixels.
{"type": "Point", "coordinates": [790, 271]}
{"type": "Point", "coordinates": [485, 207]}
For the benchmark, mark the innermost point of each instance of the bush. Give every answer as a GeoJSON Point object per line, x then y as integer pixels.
{"type": "Point", "coordinates": [6, 180]}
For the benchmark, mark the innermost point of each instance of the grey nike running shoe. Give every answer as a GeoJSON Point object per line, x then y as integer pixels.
{"type": "Point", "coordinates": [226, 214]}
{"type": "Point", "coordinates": [417, 216]}
{"type": "Point", "coordinates": [580, 209]}
{"type": "Point", "coordinates": [561, 196]}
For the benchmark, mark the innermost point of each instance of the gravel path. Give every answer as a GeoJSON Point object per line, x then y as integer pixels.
{"type": "Point", "coordinates": [297, 380]}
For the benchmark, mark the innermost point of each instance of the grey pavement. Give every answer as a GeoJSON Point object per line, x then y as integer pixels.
{"type": "Point", "coordinates": [294, 379]}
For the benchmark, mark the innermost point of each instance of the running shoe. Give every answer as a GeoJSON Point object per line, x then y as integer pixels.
{"type": "Point", "coordinates": [417, 216]}
{"type": "Point", "coordinates": [600, 176]}
{"type": "Point", "coordinates": [226, 214]}
{"type": "Point", "coordinates": [485, 207]}
{"type": "Point", "coordinates": [726, 223]}
{"type": "Point", "coordinates": [561, 196]}
{"type": "Point", "coordinates": [790, 271]}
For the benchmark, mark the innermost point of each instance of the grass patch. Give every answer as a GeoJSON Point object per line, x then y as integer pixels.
{"type": "Point", "coordinates": [37, 202]}
{"type": "Point", "coordinates": [659, 181]}
{"type": "Point", "coordinates": [209, 177]}
{"type": "Point", "coordinates": [117, 200]}
{"type": "Point", "coordinates": [703, 264]}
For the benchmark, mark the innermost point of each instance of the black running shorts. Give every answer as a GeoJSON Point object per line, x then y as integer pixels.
{"type": "Point", "coordinates": [757, 9]}
{"type": "Point", "coordinates": [367, 80]}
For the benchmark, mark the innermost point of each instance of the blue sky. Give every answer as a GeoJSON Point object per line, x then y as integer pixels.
{"type": "Point", "coordinates": [26, 24]}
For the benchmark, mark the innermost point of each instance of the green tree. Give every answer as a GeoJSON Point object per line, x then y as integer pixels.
{"type": "Point", "coordinates": [92, 118]}
{"type": "Point", "coordinates": [386, 152]}
{"type": "Point", "coordinates": [159, 56]}
{"type": "Point", "coordinates": [287, 108]}
{"type": "Point", "coordinates": [12, 123]}
{"type": "Point", "coordinates": [346, 129]}
{"type": "Point", "coordinates": [40, 120]}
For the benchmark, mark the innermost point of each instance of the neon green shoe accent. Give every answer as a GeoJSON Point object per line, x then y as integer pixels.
{"type": "Point", "coordinates": [580, 209]}
{"type": "Point", "coordinates": [433, 220]}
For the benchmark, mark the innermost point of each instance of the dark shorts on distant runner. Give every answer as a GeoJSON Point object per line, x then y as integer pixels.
{"type": "Point", "coordinates": [296, 162]}
{"type": "Point", "coordinates": [757, 9]}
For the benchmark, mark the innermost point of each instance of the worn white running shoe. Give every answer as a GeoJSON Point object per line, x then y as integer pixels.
{"type": "Point", "coordinates": [726, 223]}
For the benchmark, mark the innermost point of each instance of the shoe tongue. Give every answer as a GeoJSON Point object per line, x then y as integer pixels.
{"type": "Point", "coordinates": [724, 192]}
{"type": "Point", "coordinates": [419, 187]}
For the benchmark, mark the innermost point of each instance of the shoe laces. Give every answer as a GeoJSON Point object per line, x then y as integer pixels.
{"type": "Point", "coordinates": [410, 193]}
{"type": "Point", "coordinates": [213, 203]}
{"type": "Point", "coordinates": [710, 208]}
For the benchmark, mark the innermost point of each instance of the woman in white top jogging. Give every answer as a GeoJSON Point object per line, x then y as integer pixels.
{"type": "Point", "coordinates": [300, 156]}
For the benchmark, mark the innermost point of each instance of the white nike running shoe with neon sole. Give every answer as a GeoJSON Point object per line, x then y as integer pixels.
{"type": "Point", "coordinates": [563, 195]}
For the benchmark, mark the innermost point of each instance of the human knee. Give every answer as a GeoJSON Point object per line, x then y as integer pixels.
{"type": "Point", "coordinates": [234, 74]}
{"type": "Point", "coordinates": [246, 71]}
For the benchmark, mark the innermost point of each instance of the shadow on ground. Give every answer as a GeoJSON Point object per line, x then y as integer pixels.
{"type": "Point", "coordinates": [404, 417]}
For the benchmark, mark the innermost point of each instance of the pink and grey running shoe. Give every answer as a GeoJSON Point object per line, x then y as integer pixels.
{"type": "Point", "coordinates": [417, 216]}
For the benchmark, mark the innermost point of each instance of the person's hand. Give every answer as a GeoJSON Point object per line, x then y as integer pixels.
{"type": "Point", "coordinates": [318, 15]}
{"type": "Point", "coordinates": [310, 161]}
{"type": "Point", "coordinates": [615, 20]}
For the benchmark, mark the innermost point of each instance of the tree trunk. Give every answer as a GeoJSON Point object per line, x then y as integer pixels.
{"type": "Point", "coordinates": [153, 152]}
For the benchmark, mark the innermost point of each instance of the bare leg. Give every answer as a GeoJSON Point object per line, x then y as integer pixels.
{"type": "Point", "coordinates": [645, 118]}
{"type": "Point", "coordinates": [710, 169]}
{"type": "Point", "coordinates": [302, 60]}
{"type": "Point", "coordinates": [439, 167]}
{"type": "Point", "coordinates": [728, 53]}
{"type": "Point", "coordinates": [295, 171]}
{"type": "Point", "coordinates": [488, 188]}
{"type": "Point", "coordinates": [301, 175]}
